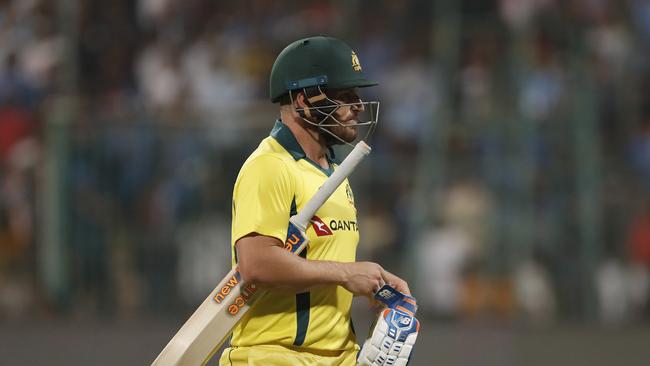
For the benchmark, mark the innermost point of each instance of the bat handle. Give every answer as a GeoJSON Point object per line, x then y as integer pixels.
{"type": "Point", "coordinates": [360, 151]}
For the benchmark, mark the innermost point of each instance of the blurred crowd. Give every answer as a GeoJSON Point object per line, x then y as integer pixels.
{"type": "Point", "coordinates": [518, 130]}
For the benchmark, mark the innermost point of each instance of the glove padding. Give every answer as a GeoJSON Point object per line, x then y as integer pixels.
{"type": "Point", "coordinates": [394, 334]}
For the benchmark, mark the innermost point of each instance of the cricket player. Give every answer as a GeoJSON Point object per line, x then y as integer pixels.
{"type": "Point", "coordinates": [304, 318]}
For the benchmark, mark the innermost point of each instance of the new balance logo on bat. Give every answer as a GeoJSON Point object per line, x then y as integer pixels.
{"type": "Point", "coordinates": [225, 290]}
{"type": "Point", "coordinates": [247, 291]}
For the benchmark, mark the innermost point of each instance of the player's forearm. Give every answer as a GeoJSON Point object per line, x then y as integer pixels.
{"type": "Point", "coordinates": [274, 267]}
{"type": "Point", "coordinates": [288, 272]}
{"type": "Point", "coordinates": [304, 276]}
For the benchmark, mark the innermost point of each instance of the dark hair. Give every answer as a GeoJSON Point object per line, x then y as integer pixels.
{"type": "Point", "coordinates": [285, 100]}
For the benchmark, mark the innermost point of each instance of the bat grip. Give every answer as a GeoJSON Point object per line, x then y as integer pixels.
{"type": "Point", "coordinates": [360, 151]}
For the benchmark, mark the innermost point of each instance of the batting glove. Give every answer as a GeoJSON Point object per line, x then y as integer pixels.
{"type": "Point", "coordinates": [394, 334]}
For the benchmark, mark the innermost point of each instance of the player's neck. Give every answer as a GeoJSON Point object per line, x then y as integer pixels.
{"type": "Point", "coordinates": [309, 140]}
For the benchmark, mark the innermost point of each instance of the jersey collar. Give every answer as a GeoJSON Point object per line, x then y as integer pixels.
{"type": "Point", "coordinates": [283, 135]}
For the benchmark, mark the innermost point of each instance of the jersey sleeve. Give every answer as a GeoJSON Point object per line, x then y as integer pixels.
{"type": "Point", "coordinates": [262, 199]}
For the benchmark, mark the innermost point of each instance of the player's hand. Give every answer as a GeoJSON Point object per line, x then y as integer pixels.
{"type": "Point", "coordinates": [397, 283]}
{"type": "Point", "coordinates": [366, 278]}
{"type": "Point", "coordinates": [392, 340]}
{"type": "Point", "coordinates": [363, 278]}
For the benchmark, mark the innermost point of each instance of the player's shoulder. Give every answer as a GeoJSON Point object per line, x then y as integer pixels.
{"type": "Point", "coordinates": [268, 159]}
{"type": "Point", "coordinates": [269, 153]}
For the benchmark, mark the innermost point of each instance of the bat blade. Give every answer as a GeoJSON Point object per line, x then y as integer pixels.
{"type": "Point", "coordinates": [212, 322]}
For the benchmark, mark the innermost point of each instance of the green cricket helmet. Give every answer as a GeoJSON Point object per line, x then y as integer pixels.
{"type": "Point", "coordinates": [316, 64]}
{"type": "Point", "coordinates": [316, 61]}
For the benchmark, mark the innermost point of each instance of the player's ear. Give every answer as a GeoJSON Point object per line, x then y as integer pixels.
{"type": "Point", "coordinates": [300, 100]}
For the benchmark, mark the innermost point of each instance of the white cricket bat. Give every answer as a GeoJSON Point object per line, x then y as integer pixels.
{"type": "Point", "coordinates": [211, 324]}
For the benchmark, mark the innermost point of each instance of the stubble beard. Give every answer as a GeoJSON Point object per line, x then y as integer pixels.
{"type": "Point", "coordinates": [345, 133]}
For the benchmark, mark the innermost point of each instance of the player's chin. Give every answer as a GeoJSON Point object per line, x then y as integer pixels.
{"type": "Point", "coordinates": [347, 134]}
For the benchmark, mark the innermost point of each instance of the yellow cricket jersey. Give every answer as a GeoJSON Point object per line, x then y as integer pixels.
{"type": "Point", "coordinates": [275, 182]}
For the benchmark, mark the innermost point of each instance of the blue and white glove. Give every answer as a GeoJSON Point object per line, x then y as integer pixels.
{"type": "Point", "coordinates": [395, 332]}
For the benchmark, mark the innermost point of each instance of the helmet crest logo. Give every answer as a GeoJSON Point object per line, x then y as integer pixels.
{"type": "Point", "coordinates": [356, 65]}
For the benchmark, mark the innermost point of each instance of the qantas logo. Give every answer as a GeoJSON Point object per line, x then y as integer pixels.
{"type": "Point", "coordinates": [345, 225]}
{"type": "Point", "coordinates": [320, 227]}
{"type": "Point", "coordinates": [323, 229]}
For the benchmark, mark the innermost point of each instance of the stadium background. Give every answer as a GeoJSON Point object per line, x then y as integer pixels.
{"type": "Point", "coordinates": [509, 179]}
